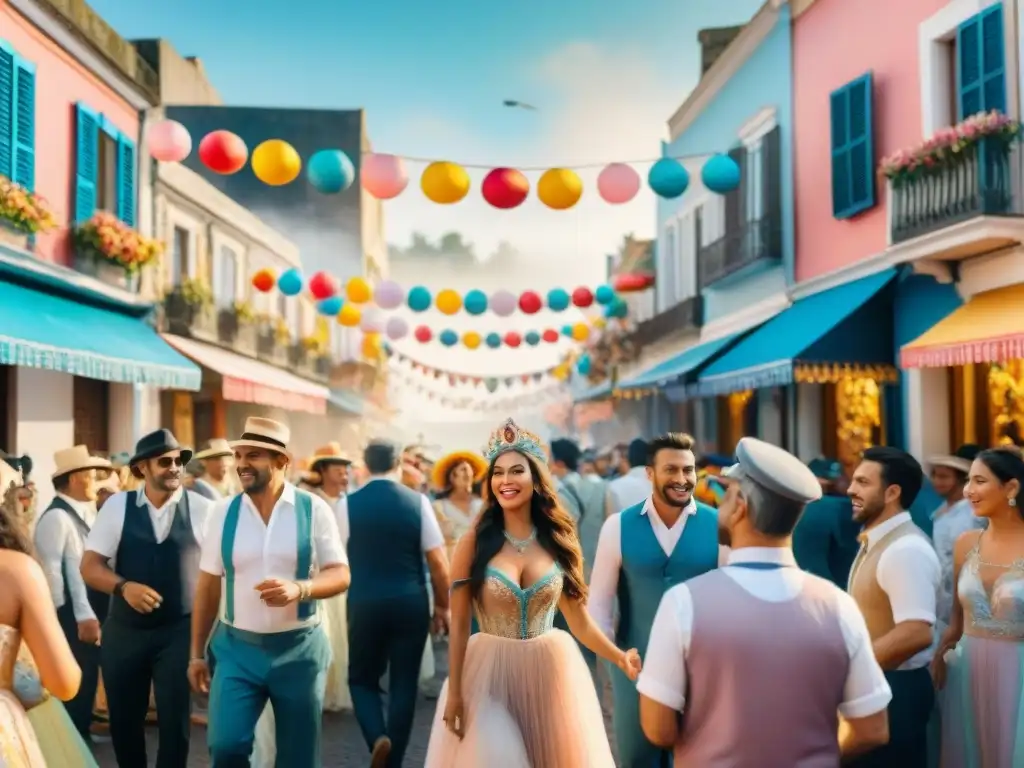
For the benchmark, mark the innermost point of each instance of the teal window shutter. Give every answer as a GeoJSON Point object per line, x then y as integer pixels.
{"type": "Point", "coordinates": [6, 110]}
{"type": "Point", "coordinates": [126, 187]}
{"type": "Point", "coordinates": [981, 63]}
{"type": "Point", "coordinates": [87, 138]}
{"type": "Point", "coordinates": [853, 148]}
{"type": "Point", "coordinates": [24, 163]}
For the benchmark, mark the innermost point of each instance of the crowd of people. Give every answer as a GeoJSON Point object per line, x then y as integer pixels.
{"type": "Point", "coordinates": [745, 611]}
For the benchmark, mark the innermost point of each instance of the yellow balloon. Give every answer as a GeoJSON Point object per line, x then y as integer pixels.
{"type": "Point", "coordinates": [371, 346]}
{"type": "Point", "coordinates": [580, 331]}
{"type": "Point", "coordinates": [599, 322]}
{"type": "Point", "coordinates": [350, 316]}
{"type": "Point", "coordinates": [276, 163]}
{"type": "Point", "coordinates": [444, 183]}
{"type": "Point", "coordinates": [358, 291]}
{"type": "Point", "coordinates": [471, 339]}
{"type": "Point", "coordinates": [448, 301]}
{"type": "Point", "coordinates": [559, 188]}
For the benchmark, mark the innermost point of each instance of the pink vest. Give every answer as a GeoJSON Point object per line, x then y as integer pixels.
{"type": "Point", "coordinates": [765, 680]}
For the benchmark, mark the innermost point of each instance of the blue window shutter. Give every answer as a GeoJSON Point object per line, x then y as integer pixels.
{"type": "Point", "coordinates": [840, 157]}
{"type": "Point", "coordinates": [87, 138]}
{"type": "Point", "coordinates": [970, 96]}
{"type": "Point", "coordinates": [853, 151]}
{"type": "Point", "coordinates": [24, 165]}
{"type": "Point", "coordinates": [993, 59]}
{"type": "Point", "coordinates": [126, 191]}
{"type": "Point", "coordinates": [6, 111]}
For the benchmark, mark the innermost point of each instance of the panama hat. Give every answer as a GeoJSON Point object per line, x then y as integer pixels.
{"type": "Point", "coordinates": [266, 434]}
{"type": "Point", "coordinates": [76, 459]}
{"type": "Point", "coordinates": [953, 462]}
{"type": "Point", "coordinates": [330, 453]}
{"type": "Point", "coordinates": [214, 449]}
{"type": "Point", "coordinates": [444, 465]}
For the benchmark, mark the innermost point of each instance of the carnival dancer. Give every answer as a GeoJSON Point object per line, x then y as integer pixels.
{"type": "Point", "coordinates": [895, 581]}
{"type": "Point", "coordinates": [389, 531]}
{"type": "Point", "coordinates": [216, 481]}
{"type": "Point", "coordinates": [710, 657]}
{"type": "Point", "coordinates": [520, 694]}
{"type": "Point", "coordinates": [644, 550]}
{"type": "Point", "coordinates": [60, 536]}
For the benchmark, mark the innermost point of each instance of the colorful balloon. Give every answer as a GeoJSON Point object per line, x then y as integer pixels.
{"type": "Point", "coordinates": [322, 286]}
{"type": "Point", "coordinates": [532, 338]}
{"type": "Point", "coordinates": [617, 309]}
{"type": "Point", "coordinates": [168, 141]}
{"type": "Point", "coordinates": [448, 301]}
{"type": "Point", "coordinates": [582, 297]}
{"type": "Point", "coordinates": [567, 330]}
{"type": "Point", "coordinates": [444, 183]}
{"type": "Point", "coordinates": [389, 295]}
{"type": "Point", "coordinates": [350, 316]}
{"type": "Point", "coordinates": [513, 339]}
{"type": "Point", "coordinates": [618, 183]}
{"type": "Point", "coordinates": [604, 295]}
{"type": "Point", "coordinates": [550, 336]}
{"type": "Point", "coordinates": [330, 306]}
{"type": "Point", "coordinates": [290, 282]}
{"type": "Point", "coordinates": [223, 152]}
{"type": "Point", "coordinates": [475, 302]}
{"type": "Point", "coordinates": [371, 346]}
{"type": "Point", "coordinates": [358, 290]}
{"type": "Point", "coordinates": [384, 176]}
{"type": "Point", "coordinates": [330, 171]}
{"type": "Point", "coordinates": [397, 328]}
{"type": "Point", "coordinates": [448, 337]}
{"type": "Point", "coordinates": [559, 188]}
{"type": "Point", "coordinates": [632, 282]}
{"type": "Point", "coordinates": [558, 300]}
{"type": "Point", "coordinates": [493, 340]}
{"type": "Point", "coordinates": [720, 174]}
{"type": "Point", "coordinates": [471, 340]}
{"type": "Point", "coordinates": [530, 302]}
{"type": "Point", "coordinates": [668, 178]}
{"type": "Point", "coordinates": [423, 334]}
{"type": "Point", "coordinates": [580, 331]}
{"type": "Point", "coordinates": [276, 163]}
{"type": "Point", "coordinates": [503, 303]}
{"type": "Point", "coordinates": [372, 321]}
{"type": "Point", "coordinates": [419, 299]}
{"type": "Point", "coordinates": [505, 188]}
{"type": "Point", "coordinates": [264, 280]}
{"type": "Point", "coordinates": [583, 365]}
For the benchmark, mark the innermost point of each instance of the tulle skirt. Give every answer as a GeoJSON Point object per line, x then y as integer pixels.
{"type": "Point", "coordinates": [19, 747]}
{"type": "Point", "coordinates": [59, 741]}
{"type": "Point", "coordinates": [528, 704]}
{"type": "Point", "coordinates": [335, 623]}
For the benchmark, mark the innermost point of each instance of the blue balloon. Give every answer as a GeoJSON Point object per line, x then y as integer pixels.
{"type": "Point", "coordinates": [617, 308]}
{"type": "Point", "coordinates": [567, 330]}
{"type": "Point", "coordinates": [330, 306]}
{"type": "Point", "coordinates": [330, 171]}
{"type": "Point", "coordinates": [558, 299]}
{"type": "Point", "coordinates": [532, 338]}
{"type": "Point", "coordinates": [493, 340]}
{"type": "Point", "coordinates": [583, 365]}
{"type": "Point", "coordinates": [449, 338]}
{"type": "Point", "coordinates": [475, 302]}
{"type": "Point", "coordinates": [290, 282]}
{"type": "Point", "coordinates": [668, 178]}
{"type": "Point", "coordinates": [419, 299]}
{"type": "Point", "coordinates": [604, 295]}
{"type": "Point", "coordinates": [720, 174]}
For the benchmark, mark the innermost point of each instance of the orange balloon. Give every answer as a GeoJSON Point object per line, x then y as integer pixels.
{"type": "Point", "coordinates": [264, 280]}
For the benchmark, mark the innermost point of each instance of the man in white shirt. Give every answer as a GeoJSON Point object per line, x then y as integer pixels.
{"type": "Point", "coordinates": [217, 461]}
{"type": "Point", "coordinates": [635, 485]}
{"type": "Point", "coordinates": [771, 665]}
{"type": "Point", "coordinates": [60, 543]}
{"type": "Point", "coordinates": [269, 554]}
{"type": "Point", "coordinates": [144, 551]}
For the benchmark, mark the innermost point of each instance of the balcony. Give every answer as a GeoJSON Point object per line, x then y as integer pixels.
{"type": "Point", "coordinates": [755, 241]}
{"type": "Point", "coordinates": [687, 314]}
{"type": "Point", "coordinates": [307, 362]}
{"type": "Point", "coordinates": [272, 347]}
{"type": "Point", "coordinates": [959, 210]}
{"type": "Point", "coordinates": [184, 316]}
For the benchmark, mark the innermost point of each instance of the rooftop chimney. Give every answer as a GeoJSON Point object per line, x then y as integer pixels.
{"type": "Point", "coordinates": [713, 43]}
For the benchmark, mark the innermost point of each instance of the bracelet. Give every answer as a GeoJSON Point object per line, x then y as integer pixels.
{"type": "Point", "coordinates": [196, 659]}
{"type": "Point", "coordinates": [305, 591]}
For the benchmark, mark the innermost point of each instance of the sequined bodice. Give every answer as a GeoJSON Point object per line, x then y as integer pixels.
{"type": "Point", "coordinates": [995, 612]}
{"type": "Point", "coordinates": [10, 642]}
{"type": "Point", "coordinates": [507, 610]}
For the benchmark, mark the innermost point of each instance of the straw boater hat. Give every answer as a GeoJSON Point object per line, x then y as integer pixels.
{"type": "Point", "coordinates": [76, 459]}
{"type": "Point", "coordinates": [444, 465]}
{"type": "Point", "coordinates": [215, 449]}
{"type": "Point", "coordinates": [953, 462]}
{"type": "Point", "coordinates": [328, 454]}
{"type": "Point", "coordinates": [266, 434]}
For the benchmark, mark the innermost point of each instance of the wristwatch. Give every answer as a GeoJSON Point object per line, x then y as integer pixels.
{"type": "Point", "coordinates": [119, 589]}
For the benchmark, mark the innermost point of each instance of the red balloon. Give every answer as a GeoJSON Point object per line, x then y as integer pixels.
{"type": "Point", "coordinates": [530, 302]}
{"type": "Point", "coordinates": [513, 339]}
{"type": "Point", "coordinates": [582, 297]}
{"type": "Point", "coordinates": [322, 286]}
{"type": "Point", "coordinates": [223, 152]}
{"type": "Point", "coordinates": [505, 188]}
{"type": "Point", "coordinates": [264, 280]}
{"type": "Point", "coordinates": [632, 282]}
{"type": "Point", "coordinates": [550, 336]}
{"type": "Point", "coordinates": [423, 334]}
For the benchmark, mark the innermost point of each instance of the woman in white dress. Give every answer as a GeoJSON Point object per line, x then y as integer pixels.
{"type": "Point", "coordinates": [457, 506]}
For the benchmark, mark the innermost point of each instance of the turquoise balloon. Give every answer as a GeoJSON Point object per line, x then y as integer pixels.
{"type": "Point", "coordinates": [532, 338]}
{"type": "Point", "coordinates": [330, 306]}
{"type": "Point", "coordinates": [720, 174]}
{"type": "Point", "coordinates": [475, 302]}
{"type": "Point", "coordinates": [604, 295]}
{"type": "Point", "coordinates": [567, 331]}
{"type": "Point", "coordinates": [617, 308]}
{"type": "Point", "coordinates": [668, 178]}
{"type": "Point", "coordinates": [449, 338]}
{"type": "Point", "coordinates": [558, 300]}
{"type": "Point", "coordinates": [330, 171]}
{"type": "Point", "coordinates": [583, 365]}
{"type": "Point", "coordinates": [493, 340]}
{"type": "Point", "coordinates": [290, 282]}
{"type": "Point", "coordinates": [419, 299]}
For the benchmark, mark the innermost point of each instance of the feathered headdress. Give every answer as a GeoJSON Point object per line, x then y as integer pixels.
{"type": "Point", "coordinates": [511, 437]}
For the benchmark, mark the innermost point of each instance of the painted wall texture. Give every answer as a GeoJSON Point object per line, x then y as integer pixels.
{"type": "Point", "coordinates": [763, 81]}
{"type": "Point", "coordinates": [822, 62]}
{"type": "Point", "coordinates": [61, 82]}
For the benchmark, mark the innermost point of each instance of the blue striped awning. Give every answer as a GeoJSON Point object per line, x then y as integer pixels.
{"type": "Point", "coordinates": [678, 366]}
{"type": "Point", "coordinates": [346, 401]}
{"type": "Point", "coordinates": [841, 326]}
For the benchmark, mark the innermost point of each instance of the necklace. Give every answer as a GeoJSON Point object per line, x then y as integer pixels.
{"type": "Point", "coordinates": [521, 545]}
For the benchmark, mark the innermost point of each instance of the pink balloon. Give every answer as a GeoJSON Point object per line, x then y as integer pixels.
{"type": "Point", "coordinates": [618, 183]}
{"type": "Point", "coordinates": [397, 328]}
{"type": "Point", "coordinates": [389, 295]}
{"type": "Point", "coordinates": [169, 141]}
{"type": "Point", "coordinates": [503, 303]}
{"type": "Point", "coordinates": [384, 176]}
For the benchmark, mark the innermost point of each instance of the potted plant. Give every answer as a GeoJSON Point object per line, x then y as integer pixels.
{"type": "Point", "coordinates": [244, 313]}
{"type": "Point", "coordinates": [196, 293]}
{"type": "Point", "coordinates": [113, 251]}
{"type": "Point", "coordinates": [22, 214]}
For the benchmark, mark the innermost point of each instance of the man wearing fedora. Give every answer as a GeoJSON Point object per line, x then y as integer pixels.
{"type": "Point", "coordinates": [60, 542]}
{"type": "Point", "coordinates": [271, 552]}
{"type": "Point", "coordinates": [331, 466]}
{"type": "Point", "coordinates": [217, 460]}
{"type": "Point", "coordinates": [144, 550]}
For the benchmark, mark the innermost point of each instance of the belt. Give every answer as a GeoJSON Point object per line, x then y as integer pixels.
{"type": "Point", "coordinates": [271, 640]}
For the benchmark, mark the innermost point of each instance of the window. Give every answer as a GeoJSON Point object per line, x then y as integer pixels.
{"type": "Point", "coordinates": [712, 220]}
{"type": "Point", "coordinates": [754, 168]}
{"type": "Point", "coordinates": [669, 265]}
{"type": "Point", "coordinates": [105, 176]}
{"type": "Point", "coordinates": [17, 118]}
{"type": "Point", "coordinates": [853, 161]}
{"type": "Point", "coordinates": [227, 277]}
{"type": "Point", "coordinates": [981, 63]}
{"type": "Point", "coordinates": [181, 255]}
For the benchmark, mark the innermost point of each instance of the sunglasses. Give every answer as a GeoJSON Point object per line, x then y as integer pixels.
{"type": "Point", "coordinates": [166, 462]}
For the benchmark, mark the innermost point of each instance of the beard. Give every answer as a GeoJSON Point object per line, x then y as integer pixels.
{"type": "Point", "coordinates": [672, 497]}
{"type": "Point", "coordinates": [870, 509]}
{"type": "Point", "coordinates": [168, 482]}
{"type": "Point", "coordinates": [259, 482]}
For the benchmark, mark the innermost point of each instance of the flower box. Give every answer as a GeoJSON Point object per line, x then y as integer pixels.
{"type": "Point", "coordinates": [112, 251]}
{"type": "Point", "coordinates": [22, 214]}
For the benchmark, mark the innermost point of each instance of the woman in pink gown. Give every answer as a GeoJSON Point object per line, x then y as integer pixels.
{"type": "Point", "coordinates": [520, 694]}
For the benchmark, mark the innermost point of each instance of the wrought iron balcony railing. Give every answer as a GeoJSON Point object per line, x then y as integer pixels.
{"type": "Point", "coordinates": [686, 314]}
{"type": "Point", "coordinates": [754, 241]}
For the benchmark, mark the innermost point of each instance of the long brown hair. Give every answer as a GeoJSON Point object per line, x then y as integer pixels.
{"type": "Point", "coordinates": [14, 533]}
{"type": "Point", "coordinates": [556, 532]}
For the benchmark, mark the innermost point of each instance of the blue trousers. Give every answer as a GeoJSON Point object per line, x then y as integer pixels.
{"type": "Point", "coordinates": [635, 751]}
{"type": "Point", "coordinates": [287, 668]}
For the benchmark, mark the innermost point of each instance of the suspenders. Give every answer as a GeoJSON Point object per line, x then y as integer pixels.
{"type": "Point", "coordinates": [304, 559]}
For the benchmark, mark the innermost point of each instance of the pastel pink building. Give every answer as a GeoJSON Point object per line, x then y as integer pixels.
{"type": "Point", "coordinates": [76, 105]}
{"type": "Point", "coordinates": [859, 60]}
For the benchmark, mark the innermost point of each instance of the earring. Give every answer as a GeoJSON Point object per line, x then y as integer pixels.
{"type": "Point", "coordinates": [1013, 502]}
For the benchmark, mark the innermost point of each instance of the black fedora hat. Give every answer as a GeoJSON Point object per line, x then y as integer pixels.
{"type": "Point", "coordinates": [157, 444]}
